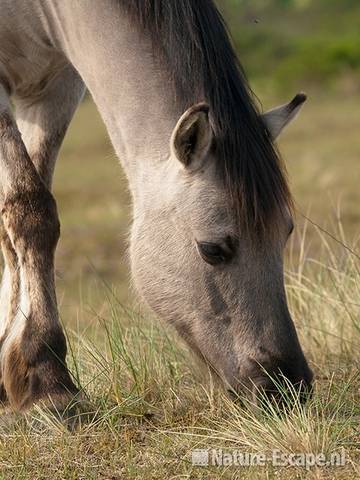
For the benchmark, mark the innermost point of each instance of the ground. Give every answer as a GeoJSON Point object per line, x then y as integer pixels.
{"type": "Point", "coordinates": [154, 404]}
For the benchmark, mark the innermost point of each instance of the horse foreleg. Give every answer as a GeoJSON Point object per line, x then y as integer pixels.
{"type": "Point", "coordinates": [33, 346]}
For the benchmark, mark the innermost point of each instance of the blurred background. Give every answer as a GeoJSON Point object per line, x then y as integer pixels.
{"type": "Point", "coordinates": [285, 46]}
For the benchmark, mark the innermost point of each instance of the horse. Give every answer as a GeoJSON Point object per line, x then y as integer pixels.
{"type": "Point", "coordinates": [212, 210]}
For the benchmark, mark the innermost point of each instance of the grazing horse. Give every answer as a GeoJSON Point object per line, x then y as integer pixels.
{"type": "Point", "coordinates": [211, 205]}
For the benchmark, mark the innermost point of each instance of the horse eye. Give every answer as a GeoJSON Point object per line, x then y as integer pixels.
{"type": "Point", "coordinates": [212, 253]}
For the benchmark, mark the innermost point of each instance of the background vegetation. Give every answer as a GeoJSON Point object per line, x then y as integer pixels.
{"type": "Point", "coordinates": [284, 42]}
{"type": "Point", "coordinates": [154, 404]}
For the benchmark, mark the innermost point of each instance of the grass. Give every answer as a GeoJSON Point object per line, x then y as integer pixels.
{"type": "Point", "coordinates": [287, 42]}
{"type": "Point", "coordinates": [154, 403]}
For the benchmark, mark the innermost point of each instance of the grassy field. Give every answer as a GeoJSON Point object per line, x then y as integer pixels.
{"type": "Point", "coordinates": [154, 404]}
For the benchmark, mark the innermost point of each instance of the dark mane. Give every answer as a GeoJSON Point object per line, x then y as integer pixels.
{"type": "Point", "coordinates": [192, 40]}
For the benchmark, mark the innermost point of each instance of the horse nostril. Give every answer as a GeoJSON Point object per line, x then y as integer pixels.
{"type": "Point", "coordinates": [286, 385]}
{"type": "Point", "coordinates": [283, 391]}
{"type": "Point", "coordinates": [265, 392]}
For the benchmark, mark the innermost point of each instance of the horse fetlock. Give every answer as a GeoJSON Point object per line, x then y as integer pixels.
{"type": "Point", "coordinates": [34, 369]}
{"type": "Point", "coordinates": [31, 221]}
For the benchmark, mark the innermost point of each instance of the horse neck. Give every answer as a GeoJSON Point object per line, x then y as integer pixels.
{"type": "Point", "coordinates": [131, 92]}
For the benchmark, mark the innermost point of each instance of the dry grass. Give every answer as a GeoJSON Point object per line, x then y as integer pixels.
{"type": "Point", "coordinates": [153, 407]}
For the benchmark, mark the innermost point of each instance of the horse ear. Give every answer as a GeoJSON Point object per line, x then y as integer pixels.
{"type": "Point", "coordinates": [192, 137]}
{"type": "Point", "coordinates": [275, 120]}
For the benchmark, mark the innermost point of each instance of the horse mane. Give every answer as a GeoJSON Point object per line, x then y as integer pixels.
{"type": "Point", "coordinates": [191, 39]}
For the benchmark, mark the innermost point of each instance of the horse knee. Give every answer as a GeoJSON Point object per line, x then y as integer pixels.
{"type": "Point", "coordinates": [31, 220]}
